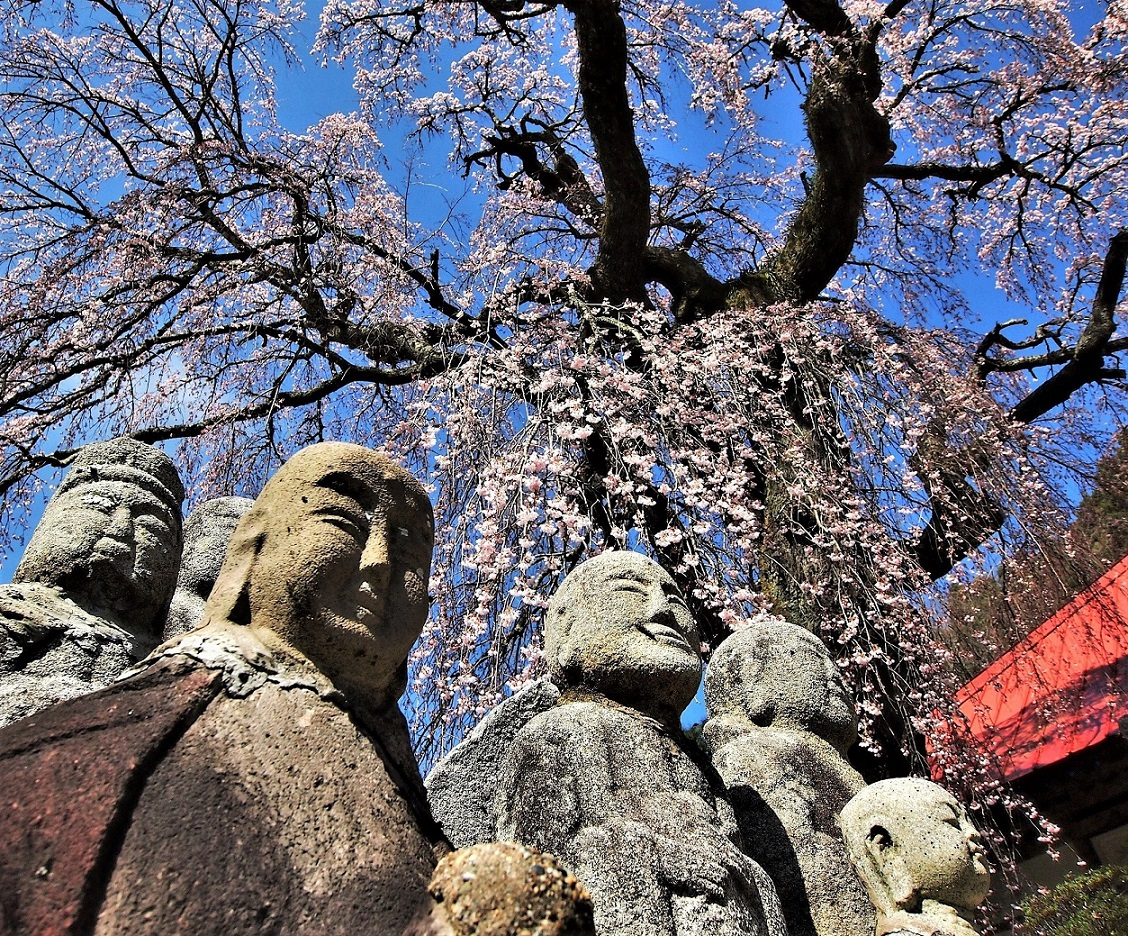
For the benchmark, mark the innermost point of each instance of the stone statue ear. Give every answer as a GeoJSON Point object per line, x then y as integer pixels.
{"type": "Point", "coordinates": [760, 711]}
{"type": "Point", "coordinates": [899, 885]}
{"type": "Point", "coordinates": [230, 598]}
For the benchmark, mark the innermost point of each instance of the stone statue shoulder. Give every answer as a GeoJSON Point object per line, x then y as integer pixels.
{"type": "Point", "coordinates": [52, 650]}
{"type": "Point", "coordinates": [748, 754]}
{"type": "Point", "coordinates": [461, 786]}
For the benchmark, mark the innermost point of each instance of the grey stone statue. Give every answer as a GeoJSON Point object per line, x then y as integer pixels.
{"type": "Point", "coordinates": [920, 858]}
{"type": "Point", "coordinates": [90, 595]}
{"type": "Point", "coordinates": [605, 779]}
{"type": "Point", "coordinates": [255, 775]}
{"type": "Point", "coordinates": [207, 533]}
{"type": "Point", "coordinates": [780, 723]}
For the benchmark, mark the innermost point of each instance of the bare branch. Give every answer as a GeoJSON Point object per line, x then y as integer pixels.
{"type": "Point", "coordinates": [1086, 362]}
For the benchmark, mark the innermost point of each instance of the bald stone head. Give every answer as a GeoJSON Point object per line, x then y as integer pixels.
{"type": "Point", "coordinates": [331, 564]}
{"type": "Point", "coordinates": [912, 844]}
{"type": "Point", "coordinates": [774, 673]}
{"type": "Point", "coordinates": [207, 534]}
{"type": "Point", "coordinates": [619, 626]}
{"type": "Point", "coordinates": [110, 537]}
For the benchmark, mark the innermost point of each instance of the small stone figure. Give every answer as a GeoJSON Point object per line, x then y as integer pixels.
{"type": "Point", "coordinates": [606, 781]}
{"type": "Point", "coordinates": [920, 858]}
{"type": "Point", "coordinates": [207, 533]}
{"type": "Point", "coordinates": [255, 776]}
{"type": "Point", "coordinates": [90, 596]}
{"type": "Point", "coordinates": [780, 723]}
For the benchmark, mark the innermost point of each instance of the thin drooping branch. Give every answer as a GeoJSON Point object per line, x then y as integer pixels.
{"type": "Point", "coordinates": [1086, 362]}
{"type": "Point", "coordinates": [272, 403]}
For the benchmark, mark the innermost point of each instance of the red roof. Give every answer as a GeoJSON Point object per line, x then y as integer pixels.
{"type": "Point", "coordinates": [1061, 689]}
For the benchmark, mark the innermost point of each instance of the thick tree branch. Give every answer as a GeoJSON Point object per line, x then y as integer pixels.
{"type": "Point", "coordinates": [1087, 360]}
{"type": "Point", "coordinates": [851, 142]}
{"type": "Point", "coordinates": [564, 182]}
{"type": "Point", "coordinates": [962, 515]}
{"type": "Point", "coordinates": [977, 175]}
{"type": "Point", "coordinates": [601, 37]}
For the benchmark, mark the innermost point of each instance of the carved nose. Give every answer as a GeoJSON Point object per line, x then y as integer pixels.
{"type": "Point", "coordinates": [375, 561]}
{"type": "Point", "coordinates": [658, 608]}
{"type": "Point", "coordinates": [121, 523]}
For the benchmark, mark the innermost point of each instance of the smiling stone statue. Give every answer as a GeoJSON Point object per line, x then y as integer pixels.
{"type": "Point", "coordinates": [89, 597]}
{"type": "Point", "coordinates": [920, 858]}
{"type": "Point", "coordinates": [605, 781]}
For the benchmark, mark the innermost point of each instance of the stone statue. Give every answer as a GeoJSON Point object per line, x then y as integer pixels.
{"type": "Point", "coordinates": [919, 856]}
{"type": "Point", "coordinates": [207, 533]}
{"type": "Point", "coordinates": [460, 788]}
{"type": "Point", "coordinates": [780, 723]}
{"type": "Point", "coordinates": [255, 776]}
{"type": "Point", "coordinates": [89, 597]}
{"type": "Point", "coordinates": [606, 781]}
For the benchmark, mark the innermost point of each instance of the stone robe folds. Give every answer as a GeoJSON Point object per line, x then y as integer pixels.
{"type": "Point", "coordinates": [624, 807]}
{"type": "Point", "coordinates": [197, 810]}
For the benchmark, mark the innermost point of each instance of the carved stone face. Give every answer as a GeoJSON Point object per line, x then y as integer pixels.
{"type": "Point", "coordinates": [111, 535]}
{"type": "Point", "coordinates": [776, 673]}
{"type": "Point", "coordinates": [945, 851]}
{"type": "Point", "coordinates": [333, 561]}
{"type": "Point", "coordinates": [912, 841]}
{"type": "Point", "coordinates": [207, 534]}
{"type": "Point", "coordinates": [618, 625]}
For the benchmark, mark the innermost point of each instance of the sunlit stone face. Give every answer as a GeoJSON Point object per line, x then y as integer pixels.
{"type": "Point", "coordinates": [618, 625]}
{"type": "Point", "coordinates": [111, 535]}
{"type": "Point", "coordinates": [911, 841]}
{"type": "Point", "coordinates": [341, 540]}
{"type": "Point", "coordinates": [944, 850]}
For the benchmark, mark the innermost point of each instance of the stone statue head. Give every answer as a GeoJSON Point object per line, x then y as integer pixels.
{"type": "Point", "coordinates": [619, 626]}
{"type": "Point", "coordinates": [912, 843]}
{"type": "Point", "coordinates": [776, 673]}
{"type": "Point", "coordinates": [207, 533]}
{"type": "Point", "coordinates": [331, 564]}
{"type": "Point", "coordinates": [110, 537]}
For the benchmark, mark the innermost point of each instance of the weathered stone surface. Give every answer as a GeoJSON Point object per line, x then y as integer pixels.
{"type": "Point", "coordinates": [331, 567]}
{"type": "Point", "coordinates": [606, 782]}
{"type": "Point", "coordinates": [461, 787]}
{"type": "Point", "coordinates": [207, 534]}
{"type": "Point", "coordinates": [780, 721]}
{"type": "Point", "coordinates": [273, 813]}
{"type": "Point", "coordinates": [69, 776]}
{"type": "Point", "coordinates": [619, 626]}
{"type": "Point", "coordinates": [919, 856]}
{"type": "Point", "coordinates": [51, 650]}
{"type": "Point", "coordinates": [503, 889]}
{"type": "Point", "coordinates": [93, 588]}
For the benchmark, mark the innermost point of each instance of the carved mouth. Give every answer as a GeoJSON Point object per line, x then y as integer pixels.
{"type": "Point", "coordinates": [369, 605]}
{"type": "Point", "coordinates": [666, 635]}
